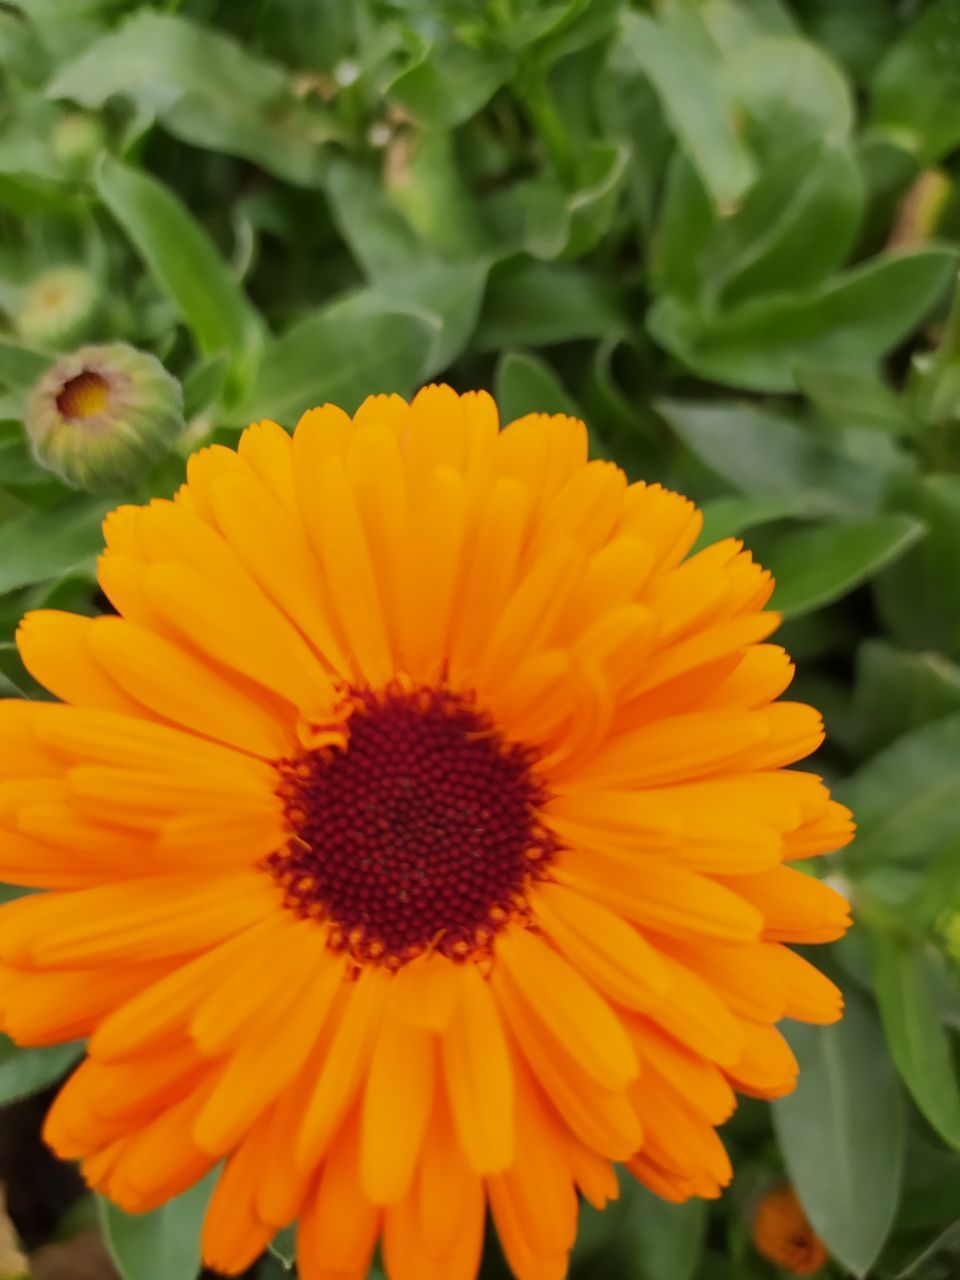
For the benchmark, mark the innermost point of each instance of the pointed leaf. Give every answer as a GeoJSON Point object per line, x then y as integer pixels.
{"type": "Point", "coordinates": [841, 1132]}
{"type": "Point", "coordinates": [342, 353]}
{"type": "Point", "coordinates": [917, 1039]}
{"type": "Point", "coordinates": [813, 567]}
{"type": "Point", "coordinates": [181, 257]}
{"type": "Point", "coordinates": [162, 1245]}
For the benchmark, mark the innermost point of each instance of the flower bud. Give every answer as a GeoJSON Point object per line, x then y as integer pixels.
{"type": "Point", "coordinates": [77, 140]}
{"type": "Point", "coordinates": [100, 415]}
{"type": "Point", "coordinates": [783, 1234]}
{"type": "Point", "coordinates": [58, 308]}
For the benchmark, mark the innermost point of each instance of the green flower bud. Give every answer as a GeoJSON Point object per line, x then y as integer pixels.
{"type": "Point", "coordinates": [99, 416]}
{"type": "Point", "coordinates": [951, 934]}
{"type": "Point", "coordinates": [58, 308]}
{"type": "Point", "coordinates": [77, 140]}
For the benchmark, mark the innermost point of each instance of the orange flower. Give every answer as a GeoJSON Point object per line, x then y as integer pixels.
{"type": "Point", "coordinates": [417, 840]}
{"type": "Point", "coordinates": [783, 1234]}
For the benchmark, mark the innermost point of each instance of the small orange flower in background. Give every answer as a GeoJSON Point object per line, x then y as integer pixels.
{"type": "Point", "coordinates": [783, 1234]}
{"type": "Point", "coordinates": [417, 840]}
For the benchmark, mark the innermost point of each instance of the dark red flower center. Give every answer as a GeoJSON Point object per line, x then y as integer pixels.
{"type": "Point", "coordinates": [422, 833]}
{"type": "Point", "coordinates": [84, 396]}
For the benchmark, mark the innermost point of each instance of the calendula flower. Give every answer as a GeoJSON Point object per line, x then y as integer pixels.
{"type": "Point", "coordinates": [416, 839]}
{"type": "Point", "coordinates": [99, 416]}
{"type": "Point", "coordinates": [58, 307]}
{"type": "Point", "coordinates": [783, 1234]}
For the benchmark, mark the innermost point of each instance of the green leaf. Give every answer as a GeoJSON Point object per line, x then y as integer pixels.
{"type": "Point", "coordinates": [403, 272]}
{"type": "Point", "coordinates": [694, 101]}
{"type": "Point", "coordinates": [853, 398]}
{"type": "Point", "coordinates": [662, 1241]}
{"type": "Point", "coordinates": [284, 1247]}
{"type": "Point", "coordinates": [548, 219]}
{"type": "Point", "coordinates": [897, 692]}
{"type": "Point", "coordinates": [788, 88]}
{"type": "Point", "coordinates": [796, 225]}
{"type": "Point", "coordinates": [916, 91]}
{"type": "Point", "coordinates": [725, 517]}
{"type": "Point", "coordinates": [17, 464]}
{"type": "Point", "coordinates": [21, 366]}
{"type": "Point", "coordinates": [944, 1248]}
{"type": "Point", "coordinates": [424, 182]}
{"type": "Point", "coordinates": [206, 88]}
{"type": "Point", "coordinates": [203, 384]}
{"type": "Point", "coordinates": [47, 544]}
{"type": "Point", "coordinates": [21, 52]}
{"type": "Point", "coordinates": [446, 86]}
{"type": "Point", "coordinates": [686, 224]}
{"type": "Point", "coordinates": [813, 567]}
{"type": "Point", "coordinates": [857, 33]}
{"type": "Point", "coordinates": [592, 206]}
{"type": "Point", "coordinates": [446, 295]}
{"type": "Point", "coordinates": [765, 455]}
{"type": "Point", "coordinates": [732, 22]}
{"type": "Point", "coordinates": [841, 1133]}
{"type": "Point", "coordinates": [905, 798]}
{"type": "Point", "coordinates": [342, 353]}
{"type": "Point", "coordinates": [182, 259]}
{"type": "Point", "coordinates": [918, 1042]}
{"type": "Point", "coordinates": [535, 305]}
{"type": "Point", "coordinates": [526, 384]}
{"type": "Point", "coordinates": [162, 1245]}
{"type": "Point", "coordinates": [26, 1071]}
{"type": "Point", "coordinates": [850, 321]}
{"type": "Point", "coordinates": [640, 1236]}
{"type": "Point", "coordinates": [919, 597]}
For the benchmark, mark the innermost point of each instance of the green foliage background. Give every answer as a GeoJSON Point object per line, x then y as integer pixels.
{"type": "Point", "coordinates": [726, 233]}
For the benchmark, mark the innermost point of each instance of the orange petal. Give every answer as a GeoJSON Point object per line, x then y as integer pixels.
{"type": "Point", "coordinates": [233, 1235]}
{"type": "Point", "coordinates": [674, 750]}
{"type": "Point", "coordinates": [766, 1068]}
{"type": "Point", "coordinates": [339, 1226]}
{"type": "Point", "coordinates": [177, 915]}
{"type": "Point", "coordinates": [479, 1075]}
{"type": "Point", "coordinates": [602, 946]}
{"type": "Point", "coordinates": [833, 829]}
{"type": "Point", "coordinates": [54, 649]}
{"type": "Point", "coordinates": [601, 1118]}
{"type": "Point", "coordinates": [165, 679]}
{"type": "Point", "coordinates": [341, 1075]}
{"type": "Point", "coordinates": [796, 907]}
{"type": "Point", "coordinates": [396, 1105]}
{"type": "Point", "coordinates": [568, 1008]}
{"type": "Point", "coordinates": [667, 898]}
{"type": "Point", "coordinates": [810, 995]}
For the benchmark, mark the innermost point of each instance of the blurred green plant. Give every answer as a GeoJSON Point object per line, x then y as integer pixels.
{"type": "Point", "coordinates": [726, 232]}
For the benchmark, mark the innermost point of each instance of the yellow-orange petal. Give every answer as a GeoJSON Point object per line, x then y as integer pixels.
{"type": "Point", "coordinates": [479, 1075]}
{"type": "Point", "coordinates": [339, 1225]}
{"type": "Point", "coordinates": [602, 946]}
{"type": "Point", "coordinates": [568, 1008]}
{"type": "Point", "coordinates": [396, 1105]}
{"type": "Point", "coordinates": [796, 907]}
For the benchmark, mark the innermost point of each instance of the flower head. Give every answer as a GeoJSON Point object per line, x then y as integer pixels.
{"type": "Point", "coordinates": [58, 307]}
{"type": "Point", "coordinates": [416, 839]}
{"type": "Point", "coordinates": [783, 1234]}
{"type": "Point", "coordinates": [99, 416]}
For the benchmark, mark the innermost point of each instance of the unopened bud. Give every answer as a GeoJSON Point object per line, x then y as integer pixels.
{"type": "Point", "coordinates": [58, 308]}
{"type": "Point", "coordinates": [77, 140]}
{"type": "Point", "coordinates": [100, 416]}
